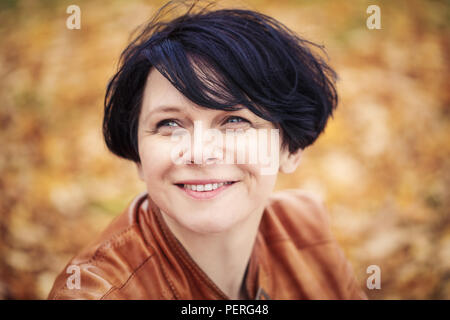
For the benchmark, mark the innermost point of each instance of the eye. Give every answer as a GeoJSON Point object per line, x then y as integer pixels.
{"type": "Point", "coordinates": [167, 123]}
{"type": "Point", "coordinates": [238, 119]}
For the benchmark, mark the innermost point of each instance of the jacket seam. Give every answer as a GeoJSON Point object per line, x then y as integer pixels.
{"type": "Point", "coordinates": [314, 244]}
{"type": "Point", "coordinates": [113, 288]}
{"type": "Point", "coordinates": [113, 242]}
{"type": "Point", "coordinates": [171, 286]}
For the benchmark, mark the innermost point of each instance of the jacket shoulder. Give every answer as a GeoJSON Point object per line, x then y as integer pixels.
{"type": "Point", "coordinates": [297, 215]}
{"type": "Point", "coordinates": [108, 262]}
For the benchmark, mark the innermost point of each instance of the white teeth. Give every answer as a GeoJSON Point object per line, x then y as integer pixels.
{"type": "Point", "coordinates": [205, 187]}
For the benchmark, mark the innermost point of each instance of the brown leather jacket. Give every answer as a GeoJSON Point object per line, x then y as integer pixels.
{"type": "Point", "coordinates": [295, 256]}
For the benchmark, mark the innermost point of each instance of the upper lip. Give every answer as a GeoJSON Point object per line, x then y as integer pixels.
{"type": "Point", "coordinates": [206, 181]}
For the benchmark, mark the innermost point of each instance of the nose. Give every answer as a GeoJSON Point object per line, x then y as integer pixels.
{"type": "Point", "coordinates": [206, 146]}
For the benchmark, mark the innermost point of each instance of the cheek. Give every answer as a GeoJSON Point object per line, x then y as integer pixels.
{"type": "Point", "coordinates": [259, 185]}
{"type": "Point", "coordinates": [155, 159]}
{"type": "Point", "coordinates": [262, 151]}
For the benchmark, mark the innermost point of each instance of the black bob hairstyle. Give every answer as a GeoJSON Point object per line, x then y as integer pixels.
{"type": "Point", "coordinates": [220, 59]}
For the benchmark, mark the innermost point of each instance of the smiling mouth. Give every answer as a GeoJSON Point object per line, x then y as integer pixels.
{"type": "Point", "coordinates": [205, 187]}
{"type": "Point", "coordinates": [205, 191]}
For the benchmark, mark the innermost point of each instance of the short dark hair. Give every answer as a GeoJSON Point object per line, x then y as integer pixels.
{"type": "Point", "coordinates": [245, 58]}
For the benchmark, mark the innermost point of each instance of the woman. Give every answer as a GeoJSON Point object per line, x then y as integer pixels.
{"type": "Point", "coordinates": [208, 226]}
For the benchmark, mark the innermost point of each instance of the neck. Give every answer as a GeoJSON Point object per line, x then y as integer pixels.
{"type": "Point", "coordinates": [223, 257]}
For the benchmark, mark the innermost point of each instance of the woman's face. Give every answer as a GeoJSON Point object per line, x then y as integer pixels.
{"type": "Point", "coordinates": [169, 183]}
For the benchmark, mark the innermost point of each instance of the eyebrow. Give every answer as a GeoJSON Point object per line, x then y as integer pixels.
{"type": "Point", "coordinates": [162, 109]}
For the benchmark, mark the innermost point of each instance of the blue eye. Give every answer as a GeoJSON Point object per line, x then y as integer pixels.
{"type": "Point", "coordinates": [236, 118]}
{"type": "Point", "coordinates": [167, 121]}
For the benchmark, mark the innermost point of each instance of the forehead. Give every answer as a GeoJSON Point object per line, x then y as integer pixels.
{"type": "Point", "coordinates": [159, 91]}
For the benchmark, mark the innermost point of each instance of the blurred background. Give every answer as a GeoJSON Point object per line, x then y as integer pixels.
{"type": "Point", "coordinates": [382, 166]}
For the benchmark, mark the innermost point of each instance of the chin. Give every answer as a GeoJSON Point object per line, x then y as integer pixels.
{"type": "Point", "coordinates": [210, 225]}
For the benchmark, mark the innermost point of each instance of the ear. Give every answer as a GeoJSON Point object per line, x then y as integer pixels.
{"type": "Point", "coordinates": [290, 161]}
{"type": "Point", "coordinates": [140, 171]}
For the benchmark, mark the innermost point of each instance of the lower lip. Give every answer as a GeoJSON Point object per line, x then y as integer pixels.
{"type": "Point", "coordinates": [206, 195]}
